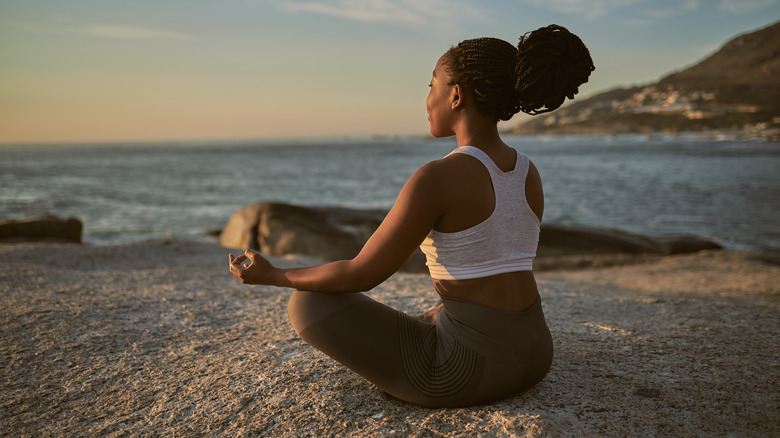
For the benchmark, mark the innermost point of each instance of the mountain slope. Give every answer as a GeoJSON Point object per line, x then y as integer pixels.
{"type": "Point", "coordinates": [734, 89]}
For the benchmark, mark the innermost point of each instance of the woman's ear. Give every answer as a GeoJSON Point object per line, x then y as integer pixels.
{"type": "Point", "coordinates": [456, 97]}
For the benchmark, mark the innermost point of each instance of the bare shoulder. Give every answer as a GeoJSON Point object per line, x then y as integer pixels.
{"type": "Point", "coordinates": [446, 164]}
{"type": "Point", "coordinates": [435, 173]}
{"type": "Point", "coordinates": [532, 167]}
{"type": "Point", "coordinates": [534, 193]}
{"type": "Point", "coordinates": [533, 173]}
{"type": "Point", "coordinates": [454, 168]}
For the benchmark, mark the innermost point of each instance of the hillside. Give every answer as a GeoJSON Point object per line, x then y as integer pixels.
{"type": "Point", "coordinates": [734, 89]}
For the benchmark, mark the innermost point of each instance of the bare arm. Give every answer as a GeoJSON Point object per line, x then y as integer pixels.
{"type": "Point", "coordinates": [414, 214]}
{"type": "Point", "coordinates": [534, 192]}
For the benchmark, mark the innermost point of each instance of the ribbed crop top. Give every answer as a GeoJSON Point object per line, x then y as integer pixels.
{"type": "Point", "coordinates": [504, 242]}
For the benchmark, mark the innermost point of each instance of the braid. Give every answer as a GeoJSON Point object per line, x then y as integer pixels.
{"type": "Point", "coordinates": [551, 65]}
{"type": "Point", "coordinates": [485, 66]}
{"type": "Point", "coordinates": [533, 78]}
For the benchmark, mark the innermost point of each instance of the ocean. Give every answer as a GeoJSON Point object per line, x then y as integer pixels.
{"type": "Point", "coordinates": [724, 189]}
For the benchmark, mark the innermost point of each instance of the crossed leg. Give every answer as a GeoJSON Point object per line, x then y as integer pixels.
{"type": "Point", "coordinates": [375, 340]}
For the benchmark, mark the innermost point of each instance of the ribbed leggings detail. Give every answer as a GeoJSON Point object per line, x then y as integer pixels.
{"type": "Point", "coordinates": [474, 354]}
{"type": "Point", "coordinates": [432, 369]}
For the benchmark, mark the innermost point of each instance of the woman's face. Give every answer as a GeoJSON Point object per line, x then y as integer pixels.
{"type": "Point", "coordinates": [439, 102]}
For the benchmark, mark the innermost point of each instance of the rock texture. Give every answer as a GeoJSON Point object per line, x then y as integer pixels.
{"type": "Point", "coordinates": [156, 338]}
{"type": "Point", "coordinates": [567, 240]}
{"type": "Point", "coordinates": [46, 227]}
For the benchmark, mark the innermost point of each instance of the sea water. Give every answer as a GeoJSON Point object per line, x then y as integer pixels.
{"type": "Point", "coordinates": [727, 190]}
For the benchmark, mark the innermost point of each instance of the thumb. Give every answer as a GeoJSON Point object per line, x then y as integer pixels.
{"type": "Point", "coordinates": [250, 254]}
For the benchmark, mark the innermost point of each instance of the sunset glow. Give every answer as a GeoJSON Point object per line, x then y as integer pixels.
{"type": "Point", "coordinates": [102, 71]}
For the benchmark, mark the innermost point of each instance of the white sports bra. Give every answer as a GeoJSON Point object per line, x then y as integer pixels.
{"type": "Point", "coordinates": [504, 242]}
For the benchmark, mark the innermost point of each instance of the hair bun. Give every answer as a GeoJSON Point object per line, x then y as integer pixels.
{"type": "Point", "coordinates": [550, 66]}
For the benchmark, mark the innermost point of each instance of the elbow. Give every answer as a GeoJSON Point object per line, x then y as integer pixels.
{"type": "Point", "coordinates": [358, 278]}
{"type": "Point", "coordinates": [357, 285]}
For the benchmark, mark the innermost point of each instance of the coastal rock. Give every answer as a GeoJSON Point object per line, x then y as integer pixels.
{"type": "Point", "coordinates": [685, 244]}
{"type": "Point", "coordinates": [680, 346]}
{"type": "Point", "coordinates": [336, 233]}
{"type": "Point", "coordinates": [328, 233]}
{"type": "Point", "coordinates": [579, 247]}
{"type": "Point", "coordinates": [556, 240]}
{"type": "Point", "coordinates": [241, 230]}
{"type": "Point", "coordinates": [43, 228]}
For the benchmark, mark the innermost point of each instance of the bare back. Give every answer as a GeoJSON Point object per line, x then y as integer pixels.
{"type": "Point", "coordinates": [469, 200]}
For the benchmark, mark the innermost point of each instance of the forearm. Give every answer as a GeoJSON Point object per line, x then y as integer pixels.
{"type": "Point", "coordinates": [335, 277]}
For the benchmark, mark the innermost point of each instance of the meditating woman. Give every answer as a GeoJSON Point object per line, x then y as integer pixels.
{"type": "Point", "coordinates": [476, 214]}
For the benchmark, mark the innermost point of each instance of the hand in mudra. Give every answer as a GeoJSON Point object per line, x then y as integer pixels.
{"type": "Point", "coordinates": [250, 267]}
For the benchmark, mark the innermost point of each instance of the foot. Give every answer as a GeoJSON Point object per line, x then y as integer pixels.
{"type": "Point", "coordinates": [431, 315]}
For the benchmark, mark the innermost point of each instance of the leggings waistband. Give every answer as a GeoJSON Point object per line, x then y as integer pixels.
{"type": "Point", "coordinates": [493, 333]}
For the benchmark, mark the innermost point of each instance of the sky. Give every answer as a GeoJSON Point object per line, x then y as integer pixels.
{"type": "Point", "coordinates": [149, 70]}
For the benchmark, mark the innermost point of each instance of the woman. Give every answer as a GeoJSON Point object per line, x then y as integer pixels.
{"type": "Point", "coordinates": [476, 214]}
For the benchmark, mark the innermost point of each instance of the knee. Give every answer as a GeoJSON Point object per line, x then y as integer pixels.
{"type": "Point", "coordinates": [299, 310]}
{"type": "Point", "coordinates": [306, 308]}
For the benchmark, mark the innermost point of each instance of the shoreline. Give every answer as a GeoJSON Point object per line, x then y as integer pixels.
{"type": "Point", "coordinates": [211, 237]}
{"type": "Point", "coordinates": [765, 134]}
{"type": "Point", "coordinates": [156, 338]}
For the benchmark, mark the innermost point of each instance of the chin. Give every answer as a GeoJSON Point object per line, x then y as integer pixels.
{"type": "Point", "coordinates": [440, 134]}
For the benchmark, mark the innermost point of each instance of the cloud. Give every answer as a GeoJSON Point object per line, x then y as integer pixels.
{"type": "Point", "coordinates": [407, 12]}
{"type": "Point", "coordinates": [68, 26]}
{"type": "Point", "coordinates": [678, 9]}
{"type": "Point", "coordinates": [649, 17]}
{"type": "Point", "coordinates": [744, 6]}
{"type": "Point", "coordinates": [129, 32]}
{"type": "Point", "coordinates": [631, 13]}
{"type": "Point", "coordinates": [588, 9]}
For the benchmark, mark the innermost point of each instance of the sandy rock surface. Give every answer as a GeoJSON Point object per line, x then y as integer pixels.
{"type": "Point", "coordinates": [157, 339]}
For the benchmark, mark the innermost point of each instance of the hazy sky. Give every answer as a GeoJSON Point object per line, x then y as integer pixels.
{"type": "Point", "coordinates": [94, 70]}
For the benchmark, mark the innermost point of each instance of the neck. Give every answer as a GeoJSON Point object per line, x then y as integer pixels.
{"type": "Point", "coordinates": [480, 133]}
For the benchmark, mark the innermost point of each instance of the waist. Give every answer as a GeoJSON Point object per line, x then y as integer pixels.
{"type": "Point", "coordinates": [441, 271]}
{"type": "Point", "coordinates": [511, 291]}
{"type": "Point", "coordinates": [502, 336]}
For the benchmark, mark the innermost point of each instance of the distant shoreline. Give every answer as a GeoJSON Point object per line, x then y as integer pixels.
{"type": "Point", "coordinates": [770, 134]}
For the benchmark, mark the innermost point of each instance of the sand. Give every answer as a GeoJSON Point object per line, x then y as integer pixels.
{"type": "Point", "coordinates": [156, 338]}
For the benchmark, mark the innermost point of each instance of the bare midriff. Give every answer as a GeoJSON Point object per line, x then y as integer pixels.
{"type": "Point", "coordinates": [511, 292]}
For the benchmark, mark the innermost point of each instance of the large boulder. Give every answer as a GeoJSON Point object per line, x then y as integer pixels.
{"type": "Point", "coordinates": [241, 230]}
{"type": "Point", "coordinates": [43, 228]}
{"type": "Point", "coordinates": [684, 244]}
{"type": "Point", "coordinates": [334, 233]}
{"type": "Point", "coordinates": [555, 240]}
{"type": "Point", "coordinates": [328, 233]}
{"type": "Point", "coordinates": [579, 247]}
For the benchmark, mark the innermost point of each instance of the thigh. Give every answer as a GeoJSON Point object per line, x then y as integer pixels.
{"type": "Point", "coordinates": [403, 356]}
{"type": "Point", "coordinates": [356, 331]}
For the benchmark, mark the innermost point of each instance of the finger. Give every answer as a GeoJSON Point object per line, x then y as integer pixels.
{"type": "Point", "coordinates": [250, 254]}
{"type": "Point", "coordinates": [231, 257]}
{"type": "Point", "coordinates": [239, 259]}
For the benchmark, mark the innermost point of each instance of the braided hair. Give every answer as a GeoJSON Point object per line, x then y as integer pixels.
{"type": "Point", "coordinates": [548, 65]}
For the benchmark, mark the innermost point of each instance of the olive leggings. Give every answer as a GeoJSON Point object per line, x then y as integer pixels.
{"type": "Point", "coordinates": [473, 354]}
